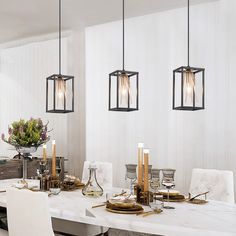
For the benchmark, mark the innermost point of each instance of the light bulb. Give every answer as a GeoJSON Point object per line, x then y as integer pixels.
{"type": "Point", "coordinates": [124, 88]}
{"type": "Point", "coordinates": [189, 86]}
{"type": "Point", "coordinates": [60, 90]}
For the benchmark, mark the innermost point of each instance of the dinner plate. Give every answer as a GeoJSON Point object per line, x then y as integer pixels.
{"type": "Point", "coordinates": [124, 212]}
{"type": "Point", "coordinates": [171, 192]}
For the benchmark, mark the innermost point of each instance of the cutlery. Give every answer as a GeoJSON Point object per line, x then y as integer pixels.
{"type": "Point", "coordinates": [120, 194]}
{"type": "Point", "coordinates": [144, 212]}
{"type": "Point", "coordinates": [152, 212]}
{"type": "Point", "coordinates": [198, 195]}
{"type": "Point", "coordinates": [100, 205]}
{"type": "Point", "coordinates": [53, 194]}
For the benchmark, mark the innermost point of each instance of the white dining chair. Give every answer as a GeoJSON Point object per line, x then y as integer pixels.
{"type": "Point", "coordinates": [219, 183]}
{"type": "Point", "coordinates": [28, 213]}
{"type": "Point", "coordinates": [104, 173]}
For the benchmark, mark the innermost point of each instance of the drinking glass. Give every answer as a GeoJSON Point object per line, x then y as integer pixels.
{"type": "Point", "coordinates": [155, 182]}
{"type": "Point", "coordinates": [168, 182]}
{"type": "Point", "coordinates": [132, 175]}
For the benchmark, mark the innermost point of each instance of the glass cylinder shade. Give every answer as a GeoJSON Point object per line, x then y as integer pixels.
{"type": "Point", "coordinates": [60, 94]}
{"type": "Point", "coordinates": [123, 91]}
{"type": "Point", "coordinates": [188, 88]}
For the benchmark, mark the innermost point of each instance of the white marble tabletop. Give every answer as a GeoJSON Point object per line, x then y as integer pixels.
{"type": "Point", "coordinates": [214, 218]}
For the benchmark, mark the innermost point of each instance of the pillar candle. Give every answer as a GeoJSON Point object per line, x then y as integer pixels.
{"type": "Point", "coordinates": [53, 158]}
{"type": "Point", "coordinates": [44, 152]}
{"type": "Point", "coordinates": [140, 163]}
{"type": "Point", "coordinates": [146, 160]}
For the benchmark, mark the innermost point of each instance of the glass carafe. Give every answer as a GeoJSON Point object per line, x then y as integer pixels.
{"type": "Point", "coordinates": [92, 188]}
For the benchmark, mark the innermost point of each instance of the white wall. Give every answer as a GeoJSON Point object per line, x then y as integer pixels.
{"type": "Point", "coordinates": [76, 121]}
{"type": "Point", "coordinates": [155, 45]}
{"type": "Point", "coordinates": [23, 75]}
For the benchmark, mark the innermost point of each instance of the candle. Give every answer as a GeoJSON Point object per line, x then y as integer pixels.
{"type": "Point", "coordinates": [146, 160]}
{"type": "Point", "coordinates": [140, 163]}
{"type": "Point", "coordinates": [44, 152]}
{"type": "Point", "coordinates": [53, 158]}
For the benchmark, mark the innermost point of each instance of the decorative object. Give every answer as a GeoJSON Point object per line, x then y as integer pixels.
{"type": "Point", "coordinates": [123, 85]}
{"type": "Point", "coordinates": [140, 163]}
{"type": "Point", "coordinates": [168, 182]}
{"type": "Point", "coordinates": [43, 174]}
{"type": "Point", "coordinates": [54, 158]}
{"type": "Point", "coordinates": [149, 172]}
{"type": "Point", "coordinates": [131, 175]}
{"type": "Point", "coordinates": [54, 182]}
{"type": "Point", "coordinates": [188, 85]}
{"type": "Point", "coordinates": [71, 183]}
{"type": "Point", "coordinates": [26, 137]}
{"type": "Point", "coordinates": [92, 188]}
{"type": "Point", "coordinates": [44, 152]}
{"type": "Point", "coordinates": [144, 197]}
{"type": "Point", "coordinates": [146, 160]}
{"type": "Point", "coordinates": [60, 88]}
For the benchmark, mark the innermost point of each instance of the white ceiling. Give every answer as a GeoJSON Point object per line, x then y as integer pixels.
{"type": "Point", "coordinates": [28, 18]}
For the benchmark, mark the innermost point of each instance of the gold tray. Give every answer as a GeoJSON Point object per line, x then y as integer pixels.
{"type": "Point", "coordinates": [124, 212]}
{"type": "Point", "coordinates": [197, 201]}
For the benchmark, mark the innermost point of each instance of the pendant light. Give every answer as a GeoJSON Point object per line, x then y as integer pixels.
{"type": "Point", "coordinates": [60, 88]}
{"type": "Point", "coordinates": [188, 85]}
{"type": "Point", "coordinates": [123, 84]}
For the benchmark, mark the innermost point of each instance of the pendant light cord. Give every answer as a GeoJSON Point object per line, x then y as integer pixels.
{"type": "Point", "coordinates": [188, 33]}
{"type": "Point", "coordinates": [123, 33]}
{"type": "Point", "coordinates": [59, 37]}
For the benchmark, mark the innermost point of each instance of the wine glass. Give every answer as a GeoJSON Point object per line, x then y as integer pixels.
{"type": "Point", "coordinates": [132, 175]}
{"type": "Point", "coordinates": [155, 182]}
{"type": "Point", "coordinates": [168, 182]}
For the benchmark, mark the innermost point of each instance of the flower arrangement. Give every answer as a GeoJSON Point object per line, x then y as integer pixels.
{"type": "Point", "coordinates": [30, 133]}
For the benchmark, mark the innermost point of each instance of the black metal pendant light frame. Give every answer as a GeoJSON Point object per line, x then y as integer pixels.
{"type": "Point", "coordinates": [131, 78]}
{"type": "Point", "coordinates": [60, 88]}
{"type": "Point", "coordinates": [198, 82]}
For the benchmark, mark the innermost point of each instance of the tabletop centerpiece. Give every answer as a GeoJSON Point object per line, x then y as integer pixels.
{"type": "Point", "coordinates": [26, 137]}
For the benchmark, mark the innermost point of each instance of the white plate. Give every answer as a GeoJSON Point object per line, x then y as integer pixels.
{"type": "Point", "coordinates": [172, 192]}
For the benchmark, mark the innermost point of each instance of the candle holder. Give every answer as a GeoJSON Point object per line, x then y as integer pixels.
{"type": "Point", "coordinates": [54, 182]}
{"type": "Point", "coordinates": [143, 197]}
{"type": "Point", "coordinates": [43, 175]}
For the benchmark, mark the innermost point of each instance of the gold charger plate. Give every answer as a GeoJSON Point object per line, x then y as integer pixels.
{"type": "Point", "coordinates": [124, 212]}
{"type": "Point", "coordinates": [197, 201]}
{"type": "Point", "coordinates": [177, 198]}
{"type": "Point", "coordinates": [173, 200]}
{"type": "Point", "coordinates": [171, 193]}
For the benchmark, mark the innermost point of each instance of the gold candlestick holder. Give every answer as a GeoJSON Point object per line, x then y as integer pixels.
{"type": "Point", "coordinates": [54, 182]}
{"type": "Point", "coordinates": [143, 197]}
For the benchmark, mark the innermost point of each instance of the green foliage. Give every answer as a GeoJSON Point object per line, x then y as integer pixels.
{"type": "Point", "coordinates": [27, 133]}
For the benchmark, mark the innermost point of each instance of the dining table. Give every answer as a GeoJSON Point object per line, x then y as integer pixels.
{"type": "Point", "coordinates": [213, 218]}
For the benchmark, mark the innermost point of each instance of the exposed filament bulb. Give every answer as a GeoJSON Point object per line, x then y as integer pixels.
{"type": "Point", "coordinates": [189, 86]}
{"type": "Point", "coordinates": [60, 90]}
{"type": "Point", "coordinates": [124, 88]}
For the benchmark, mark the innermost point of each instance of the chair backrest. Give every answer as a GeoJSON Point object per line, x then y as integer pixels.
{"type": "Point", "coordinates": [219, 183]}
{"type": "Point", "coordinates": [104, 173]}
{"type": "Point", "coordinates": [28, 213]}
